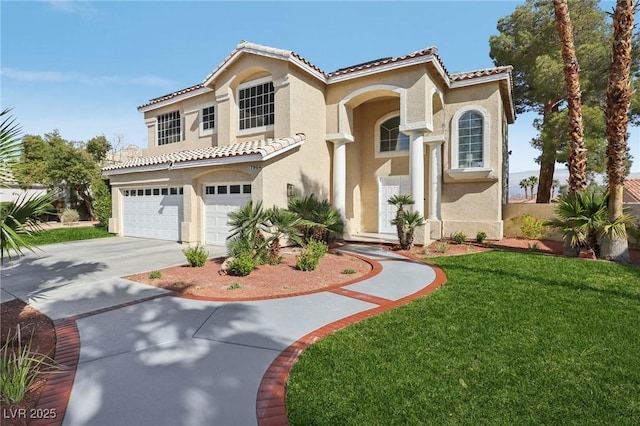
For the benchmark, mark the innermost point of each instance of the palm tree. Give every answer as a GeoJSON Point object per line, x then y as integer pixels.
{"type": "Point", "coordinates": [283, 224]}
{"type": "Point", "coordinates": [577, 152]}
{"type": "Point", "coordinates": [248, 227]}
{"type": "Point", "coordinates": [18, 218]}
{"type": "Point", "coordinates": [524, 184]}
{"type": "Point", "coordinates": [533, 181]}
{"type": "Point", "coordinates": [321, 221]}
{"type": "Point", "coordinates": [400, 201]}
{"type": "Point", "coordinates": [582, 220]}
{"type": "Point", "coordinates": [411, 220]}
{"type": "Point", "coordinates": [617, 117]}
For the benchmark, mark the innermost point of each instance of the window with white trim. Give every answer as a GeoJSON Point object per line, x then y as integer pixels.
{"type": "Point", "coordinates": [390, 141]}
{"type": "Point", "coordinates": [470, 140]}
{"type": "Point", "coordinates": [169, 128]}
{"type": "Point", "coordinates": [208, 119]}
{"type": "Point", "coordinates": [256, 105]}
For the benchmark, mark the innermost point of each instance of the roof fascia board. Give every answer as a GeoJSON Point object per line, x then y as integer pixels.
{"type": "Point", "coordinates": [175, 99]}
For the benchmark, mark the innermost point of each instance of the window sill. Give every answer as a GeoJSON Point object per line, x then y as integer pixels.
{"type": "Point", "coordinates": [391, 154]}
{"type": "Point", "coordinates": [255, 130]}
{"type": "Point", "coordinates": [475, 174]}
{"type": "Point", "coordinates": [204, 133]}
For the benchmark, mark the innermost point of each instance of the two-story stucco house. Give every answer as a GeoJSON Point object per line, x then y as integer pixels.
{"type": "Point", "coordinates": [266, 124]}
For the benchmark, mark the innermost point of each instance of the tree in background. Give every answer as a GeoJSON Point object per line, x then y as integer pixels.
{"type": "Point", "coordinates": [58, 164]}
{"type": "Point", "coordinates": [21, 217]}
{"type": "Point", "coordinates": [524, 184]}
{"type": "Point", "coordinates": [528, 40]}
{"type": "Point", "coordinates": [532, 181]}
{"type": "Point", "coordinates": [617, 107]}
{"type": "Point", "coordinates": [577, 155]}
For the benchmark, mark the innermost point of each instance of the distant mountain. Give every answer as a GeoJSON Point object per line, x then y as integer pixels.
{"type": "Point", "coordinates": [562, 175]}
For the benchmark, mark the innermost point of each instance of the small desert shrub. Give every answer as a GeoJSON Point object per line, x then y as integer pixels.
{"type": "Point", "coordinates": [534, 248]}
{"type": "Point", "coordinates": [155, 274]}
{"type": "Point", "coordinates": [531, 228]}
{"type": "Point", "coordinates": [349, 271]}
{"type": "Point", "coordinates": [481, 236]}
{"type": "Point", "coordinates": [459, 237]}
{"type": "Point", "coordinates": [196, 256]}
{"type": "Point", "coordinates": [442, 247]}
{"type": "Point", "coordinates": [310, 256]}
{"type": "Point", "coordinates": [234, 286]}
{"type": "Point", "coordinates": [19, 367]}
{"type": "Point", "coordinates": [70, 216]}
{"type": "Point", "coordinates": [242, 265]}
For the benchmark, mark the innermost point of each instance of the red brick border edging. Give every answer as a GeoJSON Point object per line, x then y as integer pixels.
{"type": "Point", "coordinates": [270, 402]}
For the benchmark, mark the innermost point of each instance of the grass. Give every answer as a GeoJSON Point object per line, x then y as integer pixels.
{"type": "Point", "coordinates": [511, 338]}
{"type": "Point", "coordinates": [61, 235]}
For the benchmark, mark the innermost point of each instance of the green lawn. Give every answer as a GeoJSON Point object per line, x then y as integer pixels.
{"type": "Point", "coordinates": [61, 235]}
{"type": "Point", "coordinates": [512, 338]}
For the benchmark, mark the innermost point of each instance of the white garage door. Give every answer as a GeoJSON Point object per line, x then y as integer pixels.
{"type": "Point", "coordinates": [388, 186]}
{"type": "Point", "coordinates": [152, 213]}
{"type": "Point", "coordinates": [219, 200]}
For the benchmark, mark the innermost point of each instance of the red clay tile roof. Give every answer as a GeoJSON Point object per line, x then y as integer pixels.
{"type": "Point", "coordinates": [263, 148]}
{"type": "Point", "coordinates": [244, 45]}
{"type": "Point", "coordinates": [424, 52]}
{"type": "Point", "coordinates": [632, 189]}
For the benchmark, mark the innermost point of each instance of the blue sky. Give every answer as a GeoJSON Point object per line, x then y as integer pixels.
{"type": "Point", "coordinates": [83, 67]}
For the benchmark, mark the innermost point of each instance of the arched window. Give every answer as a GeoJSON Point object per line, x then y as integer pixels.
{"type": "Point", "coordinates": [390, 139]}
{"type": "Point", "coordinates": [470, 140]}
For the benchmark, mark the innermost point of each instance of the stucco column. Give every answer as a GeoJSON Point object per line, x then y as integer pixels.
{"type": "Point", "coordinates": [340, 176]}
{"type": "Point", "coordinates": [435, 179]}
{"type": "Point", "coordinates": [416, 170]}
{"type": "Point", "coordinates": [190, 211]}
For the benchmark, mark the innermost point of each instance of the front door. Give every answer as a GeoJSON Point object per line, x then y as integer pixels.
{"type": "Point", "coordinates": [388, 186]}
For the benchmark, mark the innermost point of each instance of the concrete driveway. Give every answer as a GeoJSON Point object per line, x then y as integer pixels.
{"type": "Point", "coordinates": [66, 279]}
{"type": "Point", "coordinates": [143, 357]}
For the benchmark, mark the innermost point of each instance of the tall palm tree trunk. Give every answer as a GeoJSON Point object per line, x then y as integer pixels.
{"type": "Point", "coordinates": [617, 117]}
{"type": "Point", "coordinates": [577, 152]}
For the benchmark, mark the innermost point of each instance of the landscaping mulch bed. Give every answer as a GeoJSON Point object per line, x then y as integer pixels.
{"type": "Point", "coordinates": [36, 326]}
{"type": "Point", "coordinates": [266, 281]}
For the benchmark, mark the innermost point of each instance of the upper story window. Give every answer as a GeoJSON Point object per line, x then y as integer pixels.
{"type": "Point", "coordinates": [470, 140]}
{"type": "Point", "coordinates": [169, 128]}
{"type": "Point", "coordinates": [256, 105]}
{"type": "Point", "coordinates": [390, 140]}
{"type": "Point", "coordinates": [207, 120]}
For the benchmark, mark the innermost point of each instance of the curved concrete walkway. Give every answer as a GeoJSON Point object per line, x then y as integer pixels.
{"type": "Point", "coordinates": [166, 360]}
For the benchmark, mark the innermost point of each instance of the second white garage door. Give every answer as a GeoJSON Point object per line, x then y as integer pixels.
{"type": "Point", "coordinates": [219, 201]}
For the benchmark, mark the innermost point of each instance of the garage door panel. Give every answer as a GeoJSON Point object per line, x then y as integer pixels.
{"type": "Point", "coordinates": [153, 216]}
{"type": "Point", "coordinates": [217, 208]}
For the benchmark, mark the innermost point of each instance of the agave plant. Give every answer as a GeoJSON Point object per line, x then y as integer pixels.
{"type": "Point", "coordinates": [400, 201]}
{"type": "Point", "coordinates": [18, 219]}
{"type": "Point", "coordinates": [582, 220]}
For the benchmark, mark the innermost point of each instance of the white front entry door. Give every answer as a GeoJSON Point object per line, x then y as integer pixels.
{"type": "Point", "coordinates": [219, 201]}
{"type": "Point", "coordinates": [388, 186]}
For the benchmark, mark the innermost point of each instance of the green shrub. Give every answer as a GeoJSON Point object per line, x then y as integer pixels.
{"type": "Point", "coordinates": [196, 256]}
{"type": "Point", "coordinates": [481, 236]}
{"type": "Point", "coordinates": [242, 265]}
{"type": "Point", "coordinates": [459, 237]}
{"type": "Point", "coordinates": [234, 286]}
{"type": "Point", "coordinates": [19, 367]}
{"type": "Point", "coordinates": [155, 274]}
{"type": "Point", "coordinates": [442, 247]}
{"type": "Point", "coordinates": [310, 256]}
{"type": "Point", "coordinates": [70, 216]}
{"type": "Point", "coordinates": [101, 201]}
{"type": "Point", "coordinates": [532, 228]}
{"type": "Point", "coordinates": [349, 271]}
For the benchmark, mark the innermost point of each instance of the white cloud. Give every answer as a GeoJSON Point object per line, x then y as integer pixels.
{"type": "Point", "coordinates": [75, 77]}
{"type": "Point", "coordinates": [79, 7]}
